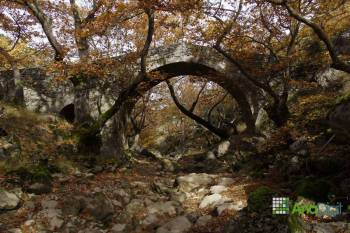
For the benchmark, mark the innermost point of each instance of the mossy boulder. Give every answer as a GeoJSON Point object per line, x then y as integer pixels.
{"type": "Point", "coordinates": [38, 173]}
{"type": "Point", "coordinates": [314, 189]}
{"type": "Point", "coordinates": [260, 199]}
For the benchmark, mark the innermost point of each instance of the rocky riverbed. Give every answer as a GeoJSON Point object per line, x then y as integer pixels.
{"type": "Point", "coordinates": [124, 200]}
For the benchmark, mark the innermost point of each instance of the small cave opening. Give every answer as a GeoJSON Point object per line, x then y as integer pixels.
{"type": "Point", "coordinates": [68, 113]}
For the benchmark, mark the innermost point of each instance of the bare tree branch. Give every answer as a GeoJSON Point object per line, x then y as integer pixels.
{"type": "Point", "coordinates": [337, 63]}
{"type": "Point", "coordinates": [46, 24]}
{"type": "Point", "coordinates": [194, 104]}
{"type": "Point", "coordinates": [219, 132]}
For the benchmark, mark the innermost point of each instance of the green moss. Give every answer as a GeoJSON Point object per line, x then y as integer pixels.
{"type": "Point", "coordinates": [343, 99]}
{"type": "Point", "coordinates": [37, 173]}
{"type": "Point", "coordinates": [260, 199]}
{"type": "Point", "coordinates": [314, 189]}
{"type": "Point", "coordinates": [294, 224]}
{"type": "Point", "coordinates": [41, 174]}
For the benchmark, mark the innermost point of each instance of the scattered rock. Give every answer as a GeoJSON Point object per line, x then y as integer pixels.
{"type": "Point", "coordinates": [160, 188]}
{"type": "Point", "coordinates": [151, 219]}
{"type": "Point", "coordinates": [99, 207]}
{"type": "Point", "coordinates": [217, 189]}
{"type": "Point", "coordinates": [210, 156]}
{"type": "Point", "coordinates": [177, 225]}
{"type": "Point", "coordinates": [203, 220]}
{"type": "Point", "coordinates": [299, 147]}
{"type": "Point", "coordinates": [167, 165]}
{"type": "Point", "coordinates": [134, 207]}
{"type": "Point", "coordinates": [50, 218]}
{"type": "Point", "coordinates": [212, 201]}
{"type": "Point", "coordinates": [162, 208]}
{"type": "Point", "coordinates": [118, 228]}
{"type": "Point", "coordinates": [8, 201]}
{"type": "Point", "coordinates": [49, 204]}
{"type": "Point", "coordinates": [223, 148]}
{"type": "Point", "coordinates": [178, 196]}
{"type": "Point", "coordinates": [74, 205]}
{"type": "Point", "coordinates": [226, 181]}
{"type": "Point", "coordinates": [228, 206]}
{"type": "Point", "coordinates": [39, 188]}
{"type": "Point", "coordinates": [193, 181]}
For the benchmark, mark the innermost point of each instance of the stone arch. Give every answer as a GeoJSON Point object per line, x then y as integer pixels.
{"type": "Point", "coordinates": [229, 83]}
{"type": "Point", "coordinates": [175, 61]}
{"type": "Point", "coordinates": [68, 113]}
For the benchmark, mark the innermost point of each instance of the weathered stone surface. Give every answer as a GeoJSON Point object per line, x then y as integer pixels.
{"type": "Point", "coordinates": [177, 225]}
{"type": "Point", "coordinates": [161, 208]}
{"type": "Point", "coordinates": [8, 201]}
{"type": "Point", "coordinates": [134, 206]}
{"type": "Point", "coordinates": [194, 181]}
{"type": "Point", "coordinates": [228, 207]}
{"type": "Point", "coordinates": [118, 228]}
{"type": "Point", "coordinates": [339, 120]}
{"type": "Point", "coordinates": [203, 220]}
{"type": "Point", "coordinates": [50, 219]}
{"type": "Point", "coordinates": [99, 207]}
{"type": "Point", "coordinates": [210, 156]}
{"type": "Point", "coordinates": [213, 200]}
{"type": "Point", "coordinates": [226, 181]}
{"type": "Point", "coordinates": [39, 188]}
{"type": "Point", "coordinates": [151, 219]}
{"type": "Point", "coordinates": [223, 148]}
{"type": "Point", "coordinates": [74, 205]}
{"type": "Point", "coordinates": [218, 189]}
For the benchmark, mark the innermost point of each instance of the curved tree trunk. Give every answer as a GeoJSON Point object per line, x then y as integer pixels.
{"type": "Point", "coordinates": [14, 89]}
{"type": "Point", "coordinates": [114, 134]}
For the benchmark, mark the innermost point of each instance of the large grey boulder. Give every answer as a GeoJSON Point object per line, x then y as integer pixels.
{"type": "Point", "coordinates": [339, 120]}
{"type": "Point", "coordinates": [8, 201]}
{"type": "Point", "coordinates": [98, 206]}
{"type": "Point", "coordinates": [203, 220]}
{"type": "Point", "coordinates": [218, 189]}
{"type": "Point", "coordinates": [229, 207]}
{"type": "Point", "coordinates": [39, 188]}
{"type": "Point", "coordinates": [177, 225]}
{"type": "Point", "coordinates": [213, 200]}
{"type": "Point", "coordinates": [163, 208]}
{"type": "Point", "coordinates": [193, 181]}
{"type": "Point", "coordinates": [50, 219]}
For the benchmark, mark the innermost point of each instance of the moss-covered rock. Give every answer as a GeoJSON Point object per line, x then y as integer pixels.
{"type": "Point", "coordinates": [260, 199]}
{"type": "Point", "coordinates": [314, 189]}
{"type": "Point", "coordinates": [32, 174]}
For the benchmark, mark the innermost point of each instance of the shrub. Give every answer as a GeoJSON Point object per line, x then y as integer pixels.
{"type": "Point", "coordinates": [260, 199]}
{"type": "Point", "coordinates": [316, 190]}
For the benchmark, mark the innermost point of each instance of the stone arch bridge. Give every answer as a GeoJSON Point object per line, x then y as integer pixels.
{"type": "Point", "coordinates": [41, 94]}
